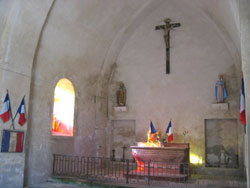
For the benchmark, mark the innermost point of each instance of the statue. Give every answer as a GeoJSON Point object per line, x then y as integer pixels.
{"type": "Point", "coordinates": [121, 95]}
{"type": "Point", "coordinates": [220, 90]}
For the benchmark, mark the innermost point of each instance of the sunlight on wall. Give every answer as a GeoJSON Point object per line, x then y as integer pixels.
{"type": "Point", "coordinates": [63, 111]}
{"type": "Point", "coordinates": [194, 159]}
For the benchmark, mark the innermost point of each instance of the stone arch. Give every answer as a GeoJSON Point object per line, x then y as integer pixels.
{"type": "Point", "coordinates": [29, 176]}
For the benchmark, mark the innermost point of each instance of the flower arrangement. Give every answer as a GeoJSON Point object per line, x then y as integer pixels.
{"type": "Point", "coordinates": [157, 139]}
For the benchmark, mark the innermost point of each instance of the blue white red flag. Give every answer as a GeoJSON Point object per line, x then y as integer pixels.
{"type": "Point", "coordinates": [152, 131]}
{"type": "Point", "coordinates": [242, 104]}
{"type": "Point", "coordinates": [152, 128]}
{"type": "Point", "coordinates": [12, 141]}
{"type": "Point", "coordinates": [21, 111]}
{"type": "Point", "coordinates": [5, 111]}
{"type": "Point", "coordinates": [170, 132]}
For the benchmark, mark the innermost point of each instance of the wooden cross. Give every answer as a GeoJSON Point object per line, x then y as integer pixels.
{"type": "Point", "coordinates": [167, 27]}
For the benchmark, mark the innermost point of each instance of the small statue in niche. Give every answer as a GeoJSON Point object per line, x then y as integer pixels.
{"type": "Point", "coordinates": [220, 90]}
{"type": "Point", "coordinates": [121, 95]}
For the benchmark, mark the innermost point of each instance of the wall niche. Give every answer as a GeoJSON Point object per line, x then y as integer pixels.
{"type": "Point", "coordinates": [221, 141]}
{"type": "Point", "coordinates": [123, 136]}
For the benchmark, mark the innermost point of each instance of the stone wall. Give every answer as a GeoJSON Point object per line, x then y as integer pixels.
{"type": "Point", "coordinates": [12, 170]}
{"type": "Point", "coordinates": [245, 54]}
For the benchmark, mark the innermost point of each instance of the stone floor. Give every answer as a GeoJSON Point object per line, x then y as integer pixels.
{"type": "Point", "coordinates": [53, 185]}
{"type": "Point", "coordinates": [75, 182]}
{"type": "Point", "coordinates": [63, 183]}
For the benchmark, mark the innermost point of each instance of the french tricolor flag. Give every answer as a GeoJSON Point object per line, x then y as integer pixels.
{"type": "Point", "coordinates": [12, 141]}
{"type": "Point", "coordinates": [5, 111]}
{"type": "Point", "coordinates": [152, 128]}
{"type": "Point", "coordinates": [21, 111]}
{"type": "Point", "coordinates": [169, 132]}
{"type": "Point", "coordinates": [242, 104]}
{"type": "Point", "coordinates": [152, 132]}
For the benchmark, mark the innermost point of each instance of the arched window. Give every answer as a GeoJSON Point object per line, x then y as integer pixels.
{"type": "Point", "coordinates": [63, 111]}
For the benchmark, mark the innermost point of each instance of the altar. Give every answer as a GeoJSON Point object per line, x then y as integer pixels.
{"type": "Point", "coordinates": [168, 162]}
{"type": "Point", "coordinates": [171, 153]}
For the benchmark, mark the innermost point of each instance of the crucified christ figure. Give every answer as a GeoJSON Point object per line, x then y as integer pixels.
{"type": "Point", "coordinates": [167, 27]}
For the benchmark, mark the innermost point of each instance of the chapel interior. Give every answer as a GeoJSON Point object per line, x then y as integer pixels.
{"type": "Point", "coordinates": [70, 58]}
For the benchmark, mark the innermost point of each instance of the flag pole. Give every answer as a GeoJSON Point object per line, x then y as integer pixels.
{"type": "Point", "coordinates": [18, 108]}
{"type": "Point", "coordinates": [12, 120]}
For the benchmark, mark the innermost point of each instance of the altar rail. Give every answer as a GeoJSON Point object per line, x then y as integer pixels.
{"type": "Point", "coordinates": [127, 172]}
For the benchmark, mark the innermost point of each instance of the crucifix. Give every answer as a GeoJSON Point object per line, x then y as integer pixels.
{"type": "Point", "coordinates": [167, 27]}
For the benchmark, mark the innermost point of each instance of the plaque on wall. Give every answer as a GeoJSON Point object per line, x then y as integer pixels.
{"type": "Point", "coordinates": [221, 143]}
{"type": "Point", "coordinates": [12, 141]}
